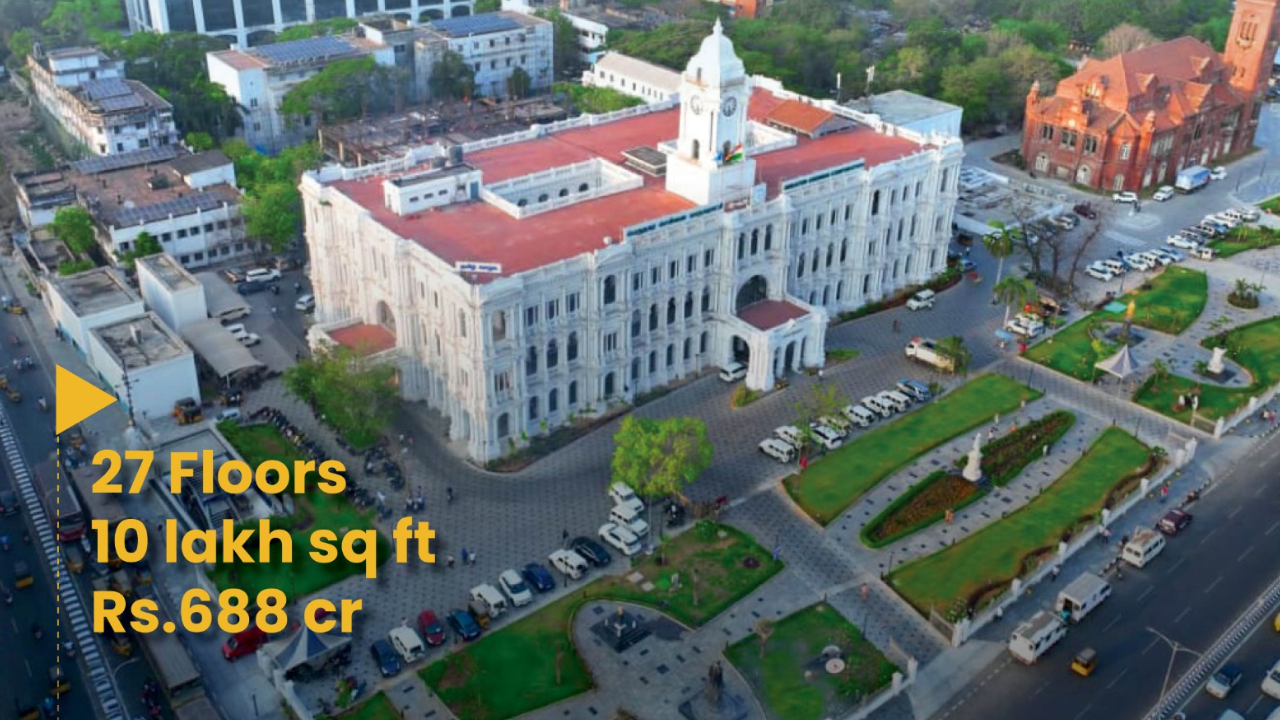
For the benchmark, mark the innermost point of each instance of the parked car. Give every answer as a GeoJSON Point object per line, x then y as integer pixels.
{"type": "Point", "coordinates": [1085, 210]}
{"type": "Point", "coordinates": [780, 450]}
{"type": "Point", "coordinates": [733, 372]}
{"type": "Point", "coordinates": [1135, 261]}
{"type": "Point", "coordinates": [249, 288]}
{"type": "Point", "coordinates": [1174, 522]}
{"type": "Point", "coordinates": [1173, 256]}
{"type": "Point", "coordinates": [538, 577]}
{"type": "Point", "coordinates": [620, 538]}
{"type": "Point", "coordinates": [591, 550]}
{"type": "Point", "coordinates": [233, 274]}
{"type": "Point", "coordinates": [1098, 272]}
{"type": "Point", "coordinates": [262, 275]}
{"type": "Point", "coordinates": [922, 300]}
{"type": "Point", "coordinates": [1164, 193]}
{"type": "Point", "coordinates": [915, 389]}
{"type": "Point", "coordinates": [8, 502]}
{"type": "Point", "coordinates": [1271, 683]}
{"type": "Point", "coordinates": [1125, 197]}
{"type": "Point", "coordinates": [430, 628]}
{"type": "Point", "coordinates": [385, 657]}
{"type": "Point", "coordinates": [463, 624]}
{"type": "Point", "coordinates": [305, 304]}
{"type": "Point", "coordinates": [1154, 258]}
{"type": "Point", "coordinates": [249, 339]}
{"type": "Point", "coordinates": [1218, 173]}
{"type": "Point", "coordinates": [514, 588]}
{"type": "Point", "coordinates": [968, 265]}
{"type": "Point", "coordinates": [828, 438]}
{"type": "Point", "coordinates": [1181, 241]}
{"type": "Point", "coordinates": [1224, 680]}
{"type": "Point", "coordinates": [1066, 222]}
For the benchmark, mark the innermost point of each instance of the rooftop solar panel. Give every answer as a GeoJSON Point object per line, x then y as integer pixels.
{"type": "Point", "coordinates": [475, 24]}
{"type": "Point", "coordinates": [316, 48]}
{"type": "Point", "coordinates": [108, 163]}
{"type": "Point", "coordinates": [123, 102]}
{"type": "Point", "coordinates": [185, 205]}
{"type": "Point", "coordinates": [105, 88]}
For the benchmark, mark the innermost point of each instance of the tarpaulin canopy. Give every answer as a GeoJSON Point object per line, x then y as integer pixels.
{"type": "Point", "coordinates": [1122, 364]}
{"type": "Point", "coordinates": [219, 348]}
{"type": "Point", "coordinates": [304, 647]}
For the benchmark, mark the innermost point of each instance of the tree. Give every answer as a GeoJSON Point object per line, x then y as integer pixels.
{"type": "Point", "coordinates": [272, 214]}
{"type": "Point", "coordinates": [332, 26]}
{"type": "Point", "coordinates": [519, 83]}
{"type": "Point", "coordinates": [485, 6]}
{"type": "Point", "coordinates": [823, 400]}
{"type": "Point", "coordinates": [173, 64]}
{"type": "Point", "coordinates": [71, 267]}
{"type": "Point", "coordinates": [452, 78]}
{"type": "Point", "coordinates": [355, 394]}
{"type": "Point", "coordinates": [74, 226]}
{"type": "Point", "coordinates": [200, 141]}
{"type": "Point", "coordinates": [1125, 38]}
{"type": "Point", "coordinates": [954, 347]}
{"type": "Point", "coordinates": [143, 245]}
{"type": "Point", "coordinates": [1001, 244]}
{"type": "Point", "coordinates": [660, 457]}
{"type": "Point", "coordinates": [597, 100]}
{"type": "Point", "coordinates": [343, 90]}
{"type": "Point", "coordinates": [1012, 291]}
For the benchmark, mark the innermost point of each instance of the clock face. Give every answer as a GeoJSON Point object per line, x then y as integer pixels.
{"type": "Point", "coordinates": [730, 106]}
{"type": "Point", "coordinates": [695, 104]}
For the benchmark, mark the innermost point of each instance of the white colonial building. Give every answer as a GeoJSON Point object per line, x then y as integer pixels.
{"type": "Point", "coordinates": [525, 280]}
{"type": "Point", "coordinates": [86, 94]}
{"type": "Point", "coordinates": [633, 76]}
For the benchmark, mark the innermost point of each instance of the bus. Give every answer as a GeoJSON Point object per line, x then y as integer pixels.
{"type": "Point", "coordinates": [61, 505]}
{"type": "Point", "coordinates": [175, 670]}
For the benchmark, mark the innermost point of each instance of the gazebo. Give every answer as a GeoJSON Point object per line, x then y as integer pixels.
{"type": "Point", "coordinates": [305, 647]}
{"type": "Point", "coordinates": [1122, 364]}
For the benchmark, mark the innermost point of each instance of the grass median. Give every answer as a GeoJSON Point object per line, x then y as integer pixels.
{"type": "Point", "coordinates": [838, 479]}
{"type": "Point", "coordinates": [313, 511]}
{"type": "Point", "coordinates": [960, 576]}
{"type": "Point", "coordinates": [513, 671]}
{"type": "Point", "coordinates": [777, 668]}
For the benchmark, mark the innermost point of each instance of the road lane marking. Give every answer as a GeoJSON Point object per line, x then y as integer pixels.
{"type": "Point", "coordinates": [1111, 624]}
{"type": "Point", "coordinates": [1273, 527]}
{"type": "Point", "coordinates": [1261, 489]}
{"type": "Point", "coordinates": [1245, 554]}
{"type": "Point", "coordinates": [1040, 689]}
{"type": "Point", "coordinates": [1082, 712]}
{"type": "Point", "coordinates": [1153, 643]}
{"type": "Point", "coordinates": [1176, 565]}
{"type": "Point", "coordinates": [1182, 614]}
{"type": "Point", "coordinates": [1150, 589]}
{"type": "Point", "coordinates": [1213, 585]}
{"type": "Point", "coordinates": [1208, 535]}
{"type": "Point", "coordinates": [1117, 678]}
{"type": "Point", "coordinates": [1253, 705]}
{"type": "Point", "coordinates": [1235, 512]}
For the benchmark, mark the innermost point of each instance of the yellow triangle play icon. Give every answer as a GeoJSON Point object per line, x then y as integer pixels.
{"type": "Point", "coordinates": [76, 399]}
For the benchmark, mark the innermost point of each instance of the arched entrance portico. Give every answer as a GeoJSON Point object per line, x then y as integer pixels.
{"type": "Point", "coordinates": [751, 292]}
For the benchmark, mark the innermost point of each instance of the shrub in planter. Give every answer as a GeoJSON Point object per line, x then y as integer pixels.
{"type": "Point", "coordinates": [923, 505]}
{"type": "Point", "coordinates": [1005, 457]}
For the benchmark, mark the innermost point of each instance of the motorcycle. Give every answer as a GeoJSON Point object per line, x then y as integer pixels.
{"type": "Point", "coordinates": [4, 542]}
{"type": "Point", "coordinates": [44, 406]}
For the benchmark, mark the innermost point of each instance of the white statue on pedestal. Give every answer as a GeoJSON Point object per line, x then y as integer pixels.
{"type": "Point", "coordinates": [1215, 362]}
{"type": "Point", "coordinates": [973, 470]}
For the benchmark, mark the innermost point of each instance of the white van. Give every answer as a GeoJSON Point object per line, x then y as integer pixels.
{"type": "Point", "coordinates": [488, 597]}
{"type": "Point", "coordinates": [826, 437]}
{"type": "Point", "coordinates": [406, 642]}
{"type": "Point", "coordinates": [1034, 637]}
{"type": "Point", "coordinates": [876, 405]}
{"type": "Point", "coordinates": [790, 434]}
{"type": "Point", "coordinates": [629, 517]}
{"type": "Point", "coordinates": [859, 415]}
{"type": "Point", "coordinates": [1143, 548]}
{"type": "Point", "coordinates": [922, 300]}
{"type": "Point", "coordinates": [306, 303]}
{"type": "Point", "coordinates": [895, 400]}
{"type": "Point", "coordinates": [836, 422]}
{"type": "Point", "coordinates": [1203, 253]}
{"type": "Point", "coordinates": [1115, 267]}
{"type": "Point", "coordinates": [1085, 593]}
{"type": "Point", "coordinates": [733, 372]}
{"type": "Point", "coordinates": [778, 450]}
{"type": "Point", "coordinates": [569, 563]}
{"type": "Point", "coordinates": [622, 494]}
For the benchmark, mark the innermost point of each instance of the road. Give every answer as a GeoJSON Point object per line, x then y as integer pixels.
{"type": "Point", "coordinates": [1191, 593]}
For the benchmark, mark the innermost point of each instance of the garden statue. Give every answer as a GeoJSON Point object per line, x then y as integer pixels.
{"type": "Point", "coordinates": [973, 470]}
{"type": "Point", "coordinates": [1215, 363]}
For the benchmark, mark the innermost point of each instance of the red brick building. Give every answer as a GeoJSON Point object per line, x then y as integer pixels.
{"type": "Point", "coordinates": [1135, 120]}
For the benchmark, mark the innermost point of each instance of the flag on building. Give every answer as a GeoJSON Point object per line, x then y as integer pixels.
{"type": "Point", "coordinates": [735, 155]}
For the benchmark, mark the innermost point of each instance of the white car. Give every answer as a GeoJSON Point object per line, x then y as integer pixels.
{"type": "Point", "coordinates": [778, 450]}
{"type": "Point", "coordinates": [1098, 272]}
{"type": "Point", "coordinates": [1248, 214]}
{"type": "Point", "coordinates": [1137, 262]}
{"type": "Point", "coordinates": [733, 372]}
{"type": "Point", "coordinates": [826, 437]}
{"type": "Point", "coordinates": [621, 538]}
{"type": "Point", "coordinates": [1181, 241]}
{"type": "Point", "coordinates": [1066, 222]}
{"type": "Point", "coordinates": [1164, 193]}
{"type": "Point", "coordinates": [1171, 254]}
{"type": "Point", "coordinates": [262, 275]}
{"type": "Point", "coordinates": [622, 494]}
{"type": "Point", "coordinates": [1271, 683]}
{"type": "Point", "coordinates": [1155, 258]}
{"type": "Point", "coordinates": [249, 339]}
{"type": "Point", "coordinates": [1218, 173]}
{"type": "Point", "coordinates": [1125, 197]}
{"type": "Point", "coordinates": [514, 588]}
{"type": "Point", "coordinates": [840, 424]}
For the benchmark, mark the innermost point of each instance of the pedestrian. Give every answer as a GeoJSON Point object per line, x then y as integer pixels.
{"type": "Point", "coordinates": [449, 560]}
{"type": "Point", "coordinates": [473, 558]}
{"type": "Point", "coordinates": [895, 326]}
{"type": "Point", "coordinates": [275, 310]}
{"type": "Point", "coordinates": [819, 373]}
{"type": "Point", "coordinates": [464, 557]}
{"type": "Point", "coordinates": [1046, 451]}
{"type": "Point", "coordinates": [1057, 569]}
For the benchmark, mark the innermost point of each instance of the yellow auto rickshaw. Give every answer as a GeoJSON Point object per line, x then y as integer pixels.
{"type": "Point", "coordinates": [57, 681]}
{"type": "Point", "coordinates": [15, 395]}
{"type": "Point", "coordinates": [1276, 622]}
{"type": "Point", "coordinates": [4, 381]}
{"type": "Point", "coordinates": [22, 575]}
{"type": "Point", "coordinates": [1084, 662]}
{"type": "Point", "coordinates": [17, 309]}
{"type": "Point", "coordinates": [119, 642]}
{"type": "Point", "coordinates": [121, 582]}
{"type": "Point", "coordinates": [74, 558]}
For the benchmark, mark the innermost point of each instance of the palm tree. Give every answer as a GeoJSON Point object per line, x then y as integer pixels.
{"type": "Point", "coordinates": [1012, 291]}
{"type": "Point", "coordinates": [1001, 244]}
{"type": "Point", "coordinates": [954, 348]}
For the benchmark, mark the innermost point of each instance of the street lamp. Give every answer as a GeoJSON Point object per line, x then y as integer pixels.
{"type": "Point", "coordinates": [1175, 647]}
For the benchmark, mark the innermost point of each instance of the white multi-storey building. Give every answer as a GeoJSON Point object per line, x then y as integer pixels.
{"type": "Point", "coordinates": [529, 279]}
{"type": "Point", "coordinates": [258, 78]}
{"type": "Point", "coordinates": [591, 33]}
{"type": "Point", "coordinates": [494, 44]}
{"type": "Point", "coordinates": [245, 22]}
{"type": "Point", "coordinates": [86, 94]}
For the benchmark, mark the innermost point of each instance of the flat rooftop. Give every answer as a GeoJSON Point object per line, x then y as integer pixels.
{"type": "Point", "coordinates": [298, 53]}
{"type": "Point", "coordinates": [901, 107]}
{"type": "Point", "coordinates": [95, 291]}
{"type": "Point", "coordinates": [205, 438]}
{"type": "Point", "coordinates": [169, 271]}
{"type": "Point", "coordinates": [146, 193]}
{"type": "Point", "coordinates": [477, 231]}
{"type": "Point", "coordinates": [141, 341]}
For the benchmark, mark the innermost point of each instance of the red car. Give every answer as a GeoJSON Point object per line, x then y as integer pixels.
{"type": "Point", "coordinates": [430, 628]}
{"type": "Point", "coordinates": [1086, 210]}
{"type": "Point", "coordinates": [248, 642]}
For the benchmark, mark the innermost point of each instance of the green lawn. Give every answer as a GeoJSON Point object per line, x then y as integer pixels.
{"type": "Point", "coordinates": [1175, 299]}
{"type": "Point", "coordinates": [995, 555]}
{"type": "Point", "coordinates": [314, 511]}
{"type": "Point", "coordinates": [512, 671]}
{"type": "Point", "coordinates": [795, 645]}
{"type": "Point", "coordinates": [1255, 346]}
{"type": "Point", "coordinates": [378, 707]}
{"type": "Point", "coordinates": [1245, 238]}
{"type": "Point", "coordinates": [837, 480]}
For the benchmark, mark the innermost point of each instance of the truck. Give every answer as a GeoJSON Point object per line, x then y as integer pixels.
{"type": "Point", "coordinates": [1081, 597]}
{"type": "Point", "coordinates": [926, 351]}
{"type": "Point", "coordinates": [1192, 179]}
{"type": "Point", "coordinates": [1033, 638]}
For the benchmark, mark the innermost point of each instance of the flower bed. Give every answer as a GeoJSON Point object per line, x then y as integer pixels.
{"type": "Point", "coordinates": [1004, 457]}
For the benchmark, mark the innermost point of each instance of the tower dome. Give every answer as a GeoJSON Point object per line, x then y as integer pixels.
{"type": "Point", "coordinates": [715, 64]}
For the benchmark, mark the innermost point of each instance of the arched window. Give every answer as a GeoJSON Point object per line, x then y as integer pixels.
{"type": "Point", "coordinates": [571, 352]}
{"type": "Point", "coordinates": [844, 249]}
{"type": "Point", "coordinates": [875, 203]}
{"type": "Point", "coordinates": [573, 393]}
{"type": "Point", "coordinates": [768, 237]}
{"type": "Point", "coordinates": [533, 408]}
{"type": "Point", "coordinates": [840, 291]}
{"type": "Point", "coordinates": [504, 425]}
{"type": "Point", "coordinates": [584, 187]}
{"type": "Point", "coordinates": [610, 290]}
{"type": "Point", "coordinates": [553, 354]}
{"type": "Point", "coordinates": [635, 323]}
{"type": "Point", "coordinates": [610, 383]}
{"type": "Point", "coordinates": [706, 300]}
{"type": "Point", "coordinates": [671, 311]}
{"type": "Point", "coordinates": [553, 400]}
{"type": "Point", "coordinates": [688, 347]}
{"type": "Point", "coordinates": [831, 254]}
{"type": "Point", "coordinates": [531, 361]}
{"type": "Point", "coordinates": [671, 355]}
{"type": "Point", "coordinates": [826, 295]}
{"type": "Point", "coordinates": [653, 362]}
{"type": "Point", "coordinates": [742, 245]}
{"type": "Point", "coordinates": [543, 197]}
{"type": "Point", "coordinates": [697, 149]}
{"type": "Point", "coordinates": [702, 342]}
{"type": "Point", "coordinates": [755, 241]}
{"type": "Point", "coordinates": [522, 202]}
{"type": "Point", "coordinates": [635, 369]}
{"type": "Point", "coordinates": [800, 267]}
{"type": "Point", "coordinates": [815, 261]}
{"type": "Point", "coordinates": [653, 317]}
{"type": "Point", "coordinates": [564, 192]}
{"type": "Point", "coordinates": [688, 305]}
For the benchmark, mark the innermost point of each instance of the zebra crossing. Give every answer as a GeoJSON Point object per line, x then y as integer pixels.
{"type": "Point", "coordinates": [73, 612]}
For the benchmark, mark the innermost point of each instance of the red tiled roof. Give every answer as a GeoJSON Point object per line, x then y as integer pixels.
{"type": "Point", "coordinates": [477, 231]}
{"type": "Point", "coordinates": [364, 339]}
{"type": "Point", "coordinates": [799, 116]}
{"type": "Point", "coordinates": [769, 314]}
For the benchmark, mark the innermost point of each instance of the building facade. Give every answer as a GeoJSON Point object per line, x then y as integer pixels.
{"type": "Point", "coordinates": [86, 94]}
{"type": "Point", "coordinates": [1133, 121]}
{"type": "Point", "coordinates": [634, 77]}
{"type": "Point", "coordinates": [526, 280]}
{"type": "Point", "coordinates": [147, 365]}
{"type": "Point", "coordinates": [246, 22]}
{"type": "Point", "coordinates": [588, 22]}
{"type": "Point", "coordinates": [494, 44]}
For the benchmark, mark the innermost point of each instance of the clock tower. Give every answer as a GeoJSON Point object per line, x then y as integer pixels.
{"type": "Point", "coordinates": [711, 163]}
